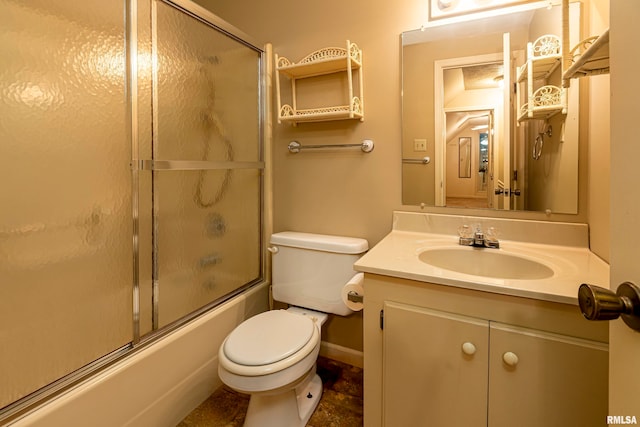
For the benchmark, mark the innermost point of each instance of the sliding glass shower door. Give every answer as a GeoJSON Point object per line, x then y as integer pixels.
{"type": "Point", "coordinates": [131, 165]}
{"type": "Point", "coordinates": [207, 173]}
{"type": "Point", "coordinates": [65, 192]}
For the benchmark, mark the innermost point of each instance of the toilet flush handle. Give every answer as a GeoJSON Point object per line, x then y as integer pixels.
{"type": "Point", "coordinates": [273, 249]}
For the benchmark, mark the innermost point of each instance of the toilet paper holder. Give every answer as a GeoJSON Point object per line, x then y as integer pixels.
{"type": "Point", "coordinates": [353, 296]}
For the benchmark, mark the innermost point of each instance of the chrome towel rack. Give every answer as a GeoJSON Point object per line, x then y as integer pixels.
{"type": "Point", "coordinates": [295, 147]}
{"type": "Point", "coordinates": [424, 161]}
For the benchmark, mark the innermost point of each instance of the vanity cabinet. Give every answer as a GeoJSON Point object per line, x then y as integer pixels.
{"type": "Point", "coordinates": [544, 379]}
{"type": "Point", "coordinates": [336, 63]}
{"type": "Point", "coordinates": [429, 378]}
{"type": "Point", "coordinates": [444, 356]}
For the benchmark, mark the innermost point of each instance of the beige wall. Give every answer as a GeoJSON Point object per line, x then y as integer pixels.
{"type": "Point", "coordinates": [347, 192]}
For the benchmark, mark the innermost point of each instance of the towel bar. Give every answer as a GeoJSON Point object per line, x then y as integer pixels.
{"type": "Point", "coordinates": [295, 146]}
{"type": "Point", "coordinates": [424, 161]}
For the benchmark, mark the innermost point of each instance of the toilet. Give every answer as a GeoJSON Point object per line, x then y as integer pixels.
{"type": "Point", "coordinates": [272, 356]}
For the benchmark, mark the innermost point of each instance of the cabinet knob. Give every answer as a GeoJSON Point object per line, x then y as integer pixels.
{"type": "Point", "coordinates": [598, 303]}
{"type": "Point", "coordinates": [469, 349]}
{"type": "Point", "coordinates": [510, 359]}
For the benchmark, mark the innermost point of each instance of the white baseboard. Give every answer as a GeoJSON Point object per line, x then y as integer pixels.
{"type": "Point", "coordinates": [342, 354]}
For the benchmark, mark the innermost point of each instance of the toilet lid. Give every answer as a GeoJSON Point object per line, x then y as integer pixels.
{"type": "Point", "coordinates": [268, 338]}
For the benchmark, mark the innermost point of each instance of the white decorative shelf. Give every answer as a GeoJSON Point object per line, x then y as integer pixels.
{"type": "Point", "coordinates": [589, 57]}
{"type": "Point", "coordinates": [545, 102]}
{"type": "Point", "coordinates": [325, 61]}
{"type": "Point", "coordinates": [544, 56]}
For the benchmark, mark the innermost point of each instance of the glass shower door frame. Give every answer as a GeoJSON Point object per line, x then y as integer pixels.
{"type": "Point", "coordinates": [158, 166]}
{"type": "Point", "coordinates": [134, 60]}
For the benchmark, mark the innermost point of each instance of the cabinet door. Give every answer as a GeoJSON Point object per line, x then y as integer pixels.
{"type": "Point", "coordinates": [428, 379]}
{"type": "Point", "coordinates": [553, 380]}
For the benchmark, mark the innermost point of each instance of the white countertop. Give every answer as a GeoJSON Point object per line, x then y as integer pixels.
{"type": "Point", "coordinates": [397, 256]}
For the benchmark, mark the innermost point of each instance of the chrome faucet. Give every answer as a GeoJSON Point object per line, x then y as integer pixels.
{"type": "Point", "coordinates": [478, 238]}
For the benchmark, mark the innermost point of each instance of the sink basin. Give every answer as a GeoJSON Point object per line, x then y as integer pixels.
{"type": "Point", "coordinates": [485, 262]}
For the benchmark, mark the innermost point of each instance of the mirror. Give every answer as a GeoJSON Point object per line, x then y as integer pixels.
{"type": "Point", "coordinates": [463, 89]}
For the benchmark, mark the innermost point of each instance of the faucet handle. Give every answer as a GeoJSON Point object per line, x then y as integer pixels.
{"type": "Point", "coordinates": [492, 233]}
{"type": "Point", "coordinates": [465, 231]}
{"type": "Point", "coordinates": [491, 238]}
{"type": "Point", "coordinates": [466, 235]}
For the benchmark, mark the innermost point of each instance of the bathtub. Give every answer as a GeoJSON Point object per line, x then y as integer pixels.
{"type": "Point", "coordinates": [158, 385]}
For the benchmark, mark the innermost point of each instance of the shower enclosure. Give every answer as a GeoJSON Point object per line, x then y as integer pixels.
{"type": "Point", "coordinates": [132, 170]}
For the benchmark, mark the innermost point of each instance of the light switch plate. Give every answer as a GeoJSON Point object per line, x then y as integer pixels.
{"type": "Point", "coordinates": [419, 145]}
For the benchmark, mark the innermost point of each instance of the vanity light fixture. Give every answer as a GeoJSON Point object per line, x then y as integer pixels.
{"type": "Point", "coordinates": [439, 9]}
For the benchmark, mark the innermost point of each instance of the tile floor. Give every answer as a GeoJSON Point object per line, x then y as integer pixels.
{"type": "Point", "coordinates": [340, 405]}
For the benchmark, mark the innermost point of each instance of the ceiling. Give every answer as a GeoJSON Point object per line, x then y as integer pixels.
{"type": "Point", "coordinates": [469, 78]}
{"type": "Point", "coordinates": [484, 76]}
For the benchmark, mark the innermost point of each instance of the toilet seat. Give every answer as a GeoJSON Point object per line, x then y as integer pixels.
{"type": "Point", "coordinates": [268, 342]}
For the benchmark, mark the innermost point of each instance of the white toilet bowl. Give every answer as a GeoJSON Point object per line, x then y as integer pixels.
{"type": "Point", "coordinates": [272, 357]}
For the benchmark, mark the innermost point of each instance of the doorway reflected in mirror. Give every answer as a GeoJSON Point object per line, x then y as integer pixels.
{"type": "Point", "coordinates": [507, 177]}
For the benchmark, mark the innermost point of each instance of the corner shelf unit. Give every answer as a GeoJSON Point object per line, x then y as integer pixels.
{"type": "Point", "coordinates": [589, 57]}
{"type": "Point", "coordinates": [544, 56]}
{"type": "Point", "coordinates": [325, 61]}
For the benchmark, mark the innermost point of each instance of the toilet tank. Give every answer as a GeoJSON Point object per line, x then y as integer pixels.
{"type": "Point", "coordinates": [310, 270]}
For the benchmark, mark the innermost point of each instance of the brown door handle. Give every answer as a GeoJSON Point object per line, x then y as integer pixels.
{"type": "Point", "coordinates": [597, 303]}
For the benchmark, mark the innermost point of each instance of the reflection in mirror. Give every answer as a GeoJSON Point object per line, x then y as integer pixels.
{"type": "Point", "coordinates": [462, 81]}
{"type": "Point", "coordinates": [468, 127]}
{"type": "Point", "coordinates": [464, 157]}
{"type": "Point", "coordinates": [483, 161]}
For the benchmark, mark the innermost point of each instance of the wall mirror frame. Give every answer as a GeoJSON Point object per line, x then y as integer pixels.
{"type": "Point", "coordinates": [433, 103]}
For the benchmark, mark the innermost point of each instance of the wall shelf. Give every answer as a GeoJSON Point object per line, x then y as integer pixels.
{"type": "Point", "coordinates": [589, 57]}
{"type": "Point", "coordinates": [544, 103]}
{"type": "Point", "coordinates": [544, 56]}
{"type": "Point", "coordinates": [326, 61]}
